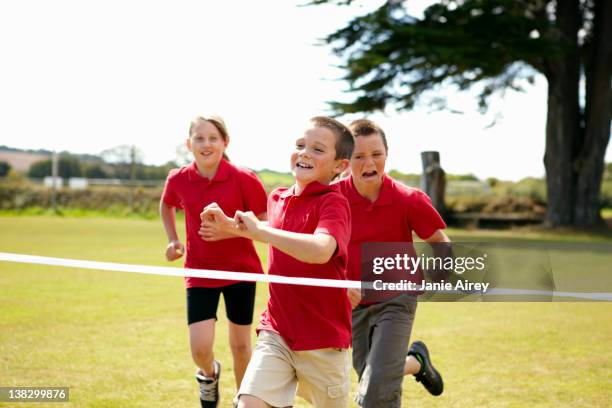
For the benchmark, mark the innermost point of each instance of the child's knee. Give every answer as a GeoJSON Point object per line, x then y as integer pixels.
{"type": "Point", "coordinates": [249, 401]}
{"type": "Point", "coordinates": [240, 347]}
{"type": "Point", "coordinates": [202, 354]}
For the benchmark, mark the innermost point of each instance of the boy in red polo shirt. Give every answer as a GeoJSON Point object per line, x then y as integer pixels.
{"type": "Point", "coordinates": [305, 331]}
{"type": "Point", "coordinates": [212, 178]}
{"type": "Point", "coordinates": [383, 210]}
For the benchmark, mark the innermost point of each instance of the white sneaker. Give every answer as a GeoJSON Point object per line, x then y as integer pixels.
{"type": "Point", "coordinates": [209, 387]}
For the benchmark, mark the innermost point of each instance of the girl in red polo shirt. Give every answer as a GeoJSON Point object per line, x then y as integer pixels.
{"type": "Point", "coordinates": [212, 178]}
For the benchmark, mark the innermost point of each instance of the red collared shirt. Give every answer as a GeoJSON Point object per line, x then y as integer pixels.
{"type": "Point", "coordinates": [309, 317]}
{"type": "Point", "coordinates": [233, 188]}
{"type": "Point", "coordinates": [396, 213]}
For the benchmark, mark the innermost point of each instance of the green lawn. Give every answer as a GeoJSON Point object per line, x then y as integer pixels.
{"type": "Point", "coordinates": [120, 340]}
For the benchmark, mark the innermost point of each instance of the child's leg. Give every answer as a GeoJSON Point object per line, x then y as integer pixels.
{"type": "Point", "coordinates": [240, 344]}
{"type": "Point", "coordinates": [249, 401]}
{"type": "Point", "coordinates": [270, 376]}
{"type": "Point", "coordinates": [201, 340]}
{"type": "Point", "coordinates": [239, 304]}
{"type": "Point", "coordinates": [381, 382]}
{"type": "Point", "coordinates": [361, 338]}
{"type": "Point", "coordinates": [201, 315]}
{"type": "Point", "coordinates": [324, 377]}
{"type": "Point", "coordinates": [411, 366]}
{"type": "Point", "coordinates": [427, 375]}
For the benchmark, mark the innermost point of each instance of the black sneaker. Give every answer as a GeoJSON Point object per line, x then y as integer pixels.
{"type": "Point", "coordinates": [209, 387]}
{"type": "Point", "coordinates": [428, 376]}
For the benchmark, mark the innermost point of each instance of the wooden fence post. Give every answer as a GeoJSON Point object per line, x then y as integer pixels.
{"type": "Point", "coordinates": [433, 180]}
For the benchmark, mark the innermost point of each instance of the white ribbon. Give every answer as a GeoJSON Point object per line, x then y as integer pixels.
{"type": "Point", "coordinates": [258, 277]}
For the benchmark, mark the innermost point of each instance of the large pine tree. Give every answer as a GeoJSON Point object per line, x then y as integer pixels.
{"type": "Point", "coordinates": [392, 58]}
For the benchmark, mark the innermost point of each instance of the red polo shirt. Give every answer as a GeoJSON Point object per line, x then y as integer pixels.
{"type": "Point", "coordinates": [233, 188]}
{"type": "Point", "coordinates": [396, 213]}
{"type": "Point", "coordinates": [309, 317]}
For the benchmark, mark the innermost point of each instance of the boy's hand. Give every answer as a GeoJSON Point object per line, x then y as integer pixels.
{"type": "Point", "coordinates": [174, 250]}
{"type": "Point", "coordinates": [354, 296]}
{"type": "Point", "coordinates": [248, 224]}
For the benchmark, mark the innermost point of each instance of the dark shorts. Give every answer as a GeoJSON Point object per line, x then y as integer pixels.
{"type": "Point", "coordinates": [239, 299]}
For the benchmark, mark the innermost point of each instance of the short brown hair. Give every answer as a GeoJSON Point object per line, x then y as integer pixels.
{"type": "Point", "coordinates": [366, 127]}
{"type": "Point", "coordinates": [345, 142]}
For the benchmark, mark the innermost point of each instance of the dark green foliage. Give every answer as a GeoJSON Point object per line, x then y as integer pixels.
{"type": "Point", "coordinates": [94, 171]}
{"type": "Point", "coordinates": [70, 166]}
{"type": "Point", "coordinates": [4, 168]}
{"type": "Point", "coordinates": [67, 166]}
{"type": "Point", "coordinates": [393, 58]}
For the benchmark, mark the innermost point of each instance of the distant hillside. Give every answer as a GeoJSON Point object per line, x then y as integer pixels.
{"type": "Point", "coordinates": [43, 152]}
{"type": "Point", "coordinates": [21, 160]}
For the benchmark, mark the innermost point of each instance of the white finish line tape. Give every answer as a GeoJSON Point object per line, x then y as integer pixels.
{"type": "Point", "coordinates": [173, 271]}
{"type": "Point", "coordinates": [258, 277]}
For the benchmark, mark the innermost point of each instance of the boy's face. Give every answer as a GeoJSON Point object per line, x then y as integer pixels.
{"type": "Point", "coordinates": [206, 144]}
{"type": "Point", "coordinates": [314, 158]}
{"type": "Point", "coordinates": [368, 159]}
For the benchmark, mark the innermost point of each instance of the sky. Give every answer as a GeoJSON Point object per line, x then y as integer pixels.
{"type": "Point", "coordinates": [86, 76]}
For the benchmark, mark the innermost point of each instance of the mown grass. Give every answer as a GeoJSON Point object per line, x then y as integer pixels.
{"type": "Point", "coordinates": [120, 340]}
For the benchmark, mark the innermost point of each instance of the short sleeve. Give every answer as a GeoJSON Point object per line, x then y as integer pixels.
{"type": "Point", "coordinates": [335, 220]}
{"type": "Point", "coordinates": [253, 192]}
{"type": "Point", "coordinates": [423, 218]}
{"type": "Point", "coordinates": [169, 195]}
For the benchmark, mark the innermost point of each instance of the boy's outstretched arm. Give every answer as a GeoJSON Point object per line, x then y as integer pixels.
{"type": "Point", "coordinates": [175, 248]}
{"type": "Point", "coordinates": [315, 248]}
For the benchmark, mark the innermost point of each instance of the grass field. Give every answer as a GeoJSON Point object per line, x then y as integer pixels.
{"type": "Point", "coordinates": [120, 340]}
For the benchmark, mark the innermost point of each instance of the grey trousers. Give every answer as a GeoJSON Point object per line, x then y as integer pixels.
{"type": "Point", "coordinates": [381, 333]}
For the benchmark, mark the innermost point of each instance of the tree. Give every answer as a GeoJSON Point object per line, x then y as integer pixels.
{"type": "Point", "coordinates": [67, 166]}
{"type": "Point", "coordinates": [4, 168]}
{"type": "Point", "coordinates": [126, 160]}
{"type": "Point", "coordinates": [392, 58]}
{"type": "Point", "coordinates": [94, 171]}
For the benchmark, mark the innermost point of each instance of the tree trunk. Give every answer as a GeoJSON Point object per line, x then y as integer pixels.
{"type": "Point", "coordinates": [563, 119]}
{"type": "Point", "coordinates": [598, 109]}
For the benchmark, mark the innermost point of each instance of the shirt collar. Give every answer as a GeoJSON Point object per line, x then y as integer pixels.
{"type": "Point", "coordinates": [385, 196]}
{"type": "Point", "coordinates": [312, 189]}
{"type": "Point", "coordinates": [222, 173]}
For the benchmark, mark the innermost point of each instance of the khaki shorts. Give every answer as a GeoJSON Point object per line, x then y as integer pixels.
{"type": "Point", "coordinates": [275, 371]}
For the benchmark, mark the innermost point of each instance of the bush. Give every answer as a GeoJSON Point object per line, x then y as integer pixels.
{"type": "Point", "coordinates": [67, 166]}
{"type": "Point", "coordinates": [4, 168]}
{"type": "Point", "coordinates": [23, 195]}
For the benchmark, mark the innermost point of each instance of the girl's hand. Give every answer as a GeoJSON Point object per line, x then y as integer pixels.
{"type": "Point", "coordinates": [211, 232]}
{"type": "Point", "coordinates": [174, 250]}
{"type": "Point", "coordinates": [213, 218]}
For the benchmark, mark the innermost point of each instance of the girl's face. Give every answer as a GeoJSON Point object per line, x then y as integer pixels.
{"type": "Point", "coordinates": [368, 160]}
{"type": "Point", "coordinates": [207, 145]}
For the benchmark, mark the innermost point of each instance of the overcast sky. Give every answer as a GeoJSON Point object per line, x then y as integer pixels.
{"type": "Point", "coordinates": [86, 76]}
